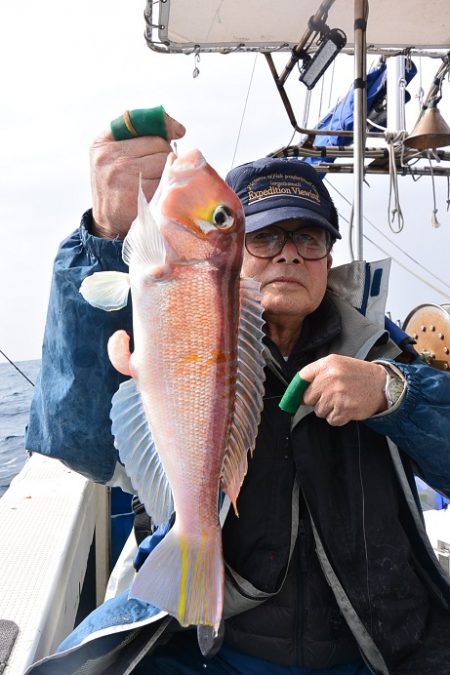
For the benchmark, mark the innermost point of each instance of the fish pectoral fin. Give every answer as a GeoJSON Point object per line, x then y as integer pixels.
{"type": "Point", "coordinates": [138, 453]}
{"type": "Point", "coordinates": [184, 575]}
{"type": "Point", "coordinates": [106, 290]}
{"type": "Point", "coordinates": [249, 389]}
{"type": "Point", "coordinates": [119, 351]}
{"type": "Point", "coordinates": [144, 241]}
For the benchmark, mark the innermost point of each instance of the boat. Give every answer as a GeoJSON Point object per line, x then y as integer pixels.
{"type": "Point", "coordinates": [55, 554]}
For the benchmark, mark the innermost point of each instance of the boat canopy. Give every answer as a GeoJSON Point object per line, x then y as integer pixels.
{"type": "Point", "coordinates": [266, 25]}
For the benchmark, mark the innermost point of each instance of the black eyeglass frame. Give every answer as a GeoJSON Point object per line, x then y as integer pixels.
{"type": "Point", "coordinates": [289, 235]}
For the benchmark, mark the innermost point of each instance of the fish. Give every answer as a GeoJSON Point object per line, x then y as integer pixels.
{"type": "Point", "coordinates": [186, 420]}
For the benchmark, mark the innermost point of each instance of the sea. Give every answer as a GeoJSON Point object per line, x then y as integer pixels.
{"type": "Point", "coordinates": [15, 399]}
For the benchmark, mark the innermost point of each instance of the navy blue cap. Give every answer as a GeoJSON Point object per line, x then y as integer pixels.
{"type": "Point", "coordinates": [272, 190]}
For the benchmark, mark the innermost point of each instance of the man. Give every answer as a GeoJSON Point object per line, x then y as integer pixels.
{"type": "Point", "coordinates": [327, 565]}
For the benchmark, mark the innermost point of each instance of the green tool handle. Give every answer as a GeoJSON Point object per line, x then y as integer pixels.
{"type": "Point", "coordinates": [294, 394]}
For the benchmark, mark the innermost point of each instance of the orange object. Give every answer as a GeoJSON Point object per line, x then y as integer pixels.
{"type": "Point", "coordinates": [429, 326]}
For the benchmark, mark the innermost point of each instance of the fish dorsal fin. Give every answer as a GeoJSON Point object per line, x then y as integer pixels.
{"type": "Point", "coordinates": [144, 241]}
{"type": "Point", "coordinates": [249, 389]}
{"type": "Point", "coordinates": [106, 290]}
{"type": "Point", "coordinates": [138, 453]}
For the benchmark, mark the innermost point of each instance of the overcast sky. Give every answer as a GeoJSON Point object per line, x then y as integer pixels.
{"type": "Point", "coordinates": [69, 68]}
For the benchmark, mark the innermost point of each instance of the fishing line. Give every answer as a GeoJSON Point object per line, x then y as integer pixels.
{"type": "Point", "coordinates": [17, 368]}
{"type": "Point", "coordinates": [243, 112]}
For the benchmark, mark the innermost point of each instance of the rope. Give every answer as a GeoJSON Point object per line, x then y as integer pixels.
{"type": "Point", "coordinates": [393, 185]}
{"type": "Point", "coordinates": [17, 368]}
{"type": "Point", "coordinates": [434, 220]}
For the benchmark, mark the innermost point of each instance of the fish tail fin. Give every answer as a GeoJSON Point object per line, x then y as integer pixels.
{"type": "Point", "coordinates": [184, 576]}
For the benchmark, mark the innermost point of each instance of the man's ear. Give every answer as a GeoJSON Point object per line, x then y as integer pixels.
{"type": "Point", "coordinates": [329, 261]}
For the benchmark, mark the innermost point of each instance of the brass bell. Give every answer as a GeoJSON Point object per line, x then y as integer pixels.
{"type": "Point", "coordinates": [431, 131]}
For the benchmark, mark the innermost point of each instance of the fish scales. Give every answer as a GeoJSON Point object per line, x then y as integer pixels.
{"type": "Point", "coordinates": [189, 386]}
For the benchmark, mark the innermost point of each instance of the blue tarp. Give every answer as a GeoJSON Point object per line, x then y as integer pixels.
{"type": "Point", "coordinates": [341, 117]}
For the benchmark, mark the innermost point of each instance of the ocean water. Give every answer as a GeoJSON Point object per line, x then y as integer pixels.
{"type": "Point", "coordinates": [15, 400]}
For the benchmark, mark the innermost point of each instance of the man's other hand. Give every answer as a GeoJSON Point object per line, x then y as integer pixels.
{"type": "Point", "coordinates": [343, 389]}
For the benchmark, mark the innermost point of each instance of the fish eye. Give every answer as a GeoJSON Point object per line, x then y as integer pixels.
{"type": "Point", "coordinates": [223, 216]}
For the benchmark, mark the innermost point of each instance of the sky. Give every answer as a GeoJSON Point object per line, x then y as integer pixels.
{"type": "Point", "coordinates": [70, 68]}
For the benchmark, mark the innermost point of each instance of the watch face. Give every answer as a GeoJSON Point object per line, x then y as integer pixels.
{"type": "Point", "coordinates": [394, 388]}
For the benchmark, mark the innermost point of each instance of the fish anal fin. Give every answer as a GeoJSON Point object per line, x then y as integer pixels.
{"type": "Point", "coordinates": [249, 390]}
{"type": "Point", "coordinates": [184, 575]}
{"type": "Point", "coordinates": [106, 290]}
{"type": "Point", "coordinates": [119, 351]}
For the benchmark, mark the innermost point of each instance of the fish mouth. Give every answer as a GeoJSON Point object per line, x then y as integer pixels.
{"type": "Point", "coordinates": [182, 168]}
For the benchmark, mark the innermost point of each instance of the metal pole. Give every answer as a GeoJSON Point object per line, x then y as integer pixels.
{"type": "Point", "coordinates": [395, 93]}
{"type": "Point", "coordinates": [360, 104]}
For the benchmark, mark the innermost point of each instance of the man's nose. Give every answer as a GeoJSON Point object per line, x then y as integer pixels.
{"type": "Point", "coordinates": [289, 252]}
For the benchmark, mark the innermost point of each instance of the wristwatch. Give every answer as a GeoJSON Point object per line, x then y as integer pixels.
{"type": "Point", "coordinates": [394, 387]}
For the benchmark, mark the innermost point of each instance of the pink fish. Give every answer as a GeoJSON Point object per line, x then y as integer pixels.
{"type": "Point", "coordinates": [186, 420]}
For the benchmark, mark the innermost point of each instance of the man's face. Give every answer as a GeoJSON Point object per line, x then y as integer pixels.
{"type": "Point", "coordinates": [290, 285]}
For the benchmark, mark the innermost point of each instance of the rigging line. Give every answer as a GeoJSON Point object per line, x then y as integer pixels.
{"type": "Point", "coordinates": [243, 112]}
{"type": "Point", "coordinates": [424, 281]}
{"type": "Point", "coordinates": [17, 368]}
{"type": "Point", "coordinates": [419, 264]}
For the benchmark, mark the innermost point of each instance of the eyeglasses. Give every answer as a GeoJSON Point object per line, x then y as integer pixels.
{"type": "Point", "coordinates": [311, 243]}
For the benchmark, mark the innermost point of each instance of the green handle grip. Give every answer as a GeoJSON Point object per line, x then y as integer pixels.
{"type": "Point", "coordinates": [294, 394]}
{"type": "Point", "coordinates": [140, 122]}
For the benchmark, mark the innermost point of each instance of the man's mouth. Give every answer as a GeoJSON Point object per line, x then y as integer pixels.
{"type": "Point", "coordinates": [284, 280]}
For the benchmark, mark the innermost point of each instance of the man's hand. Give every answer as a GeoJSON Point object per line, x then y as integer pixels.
{"type": "Point", "coordinates": [343, 389]}
{"type": "Point", "coordinates": [115, 170]}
